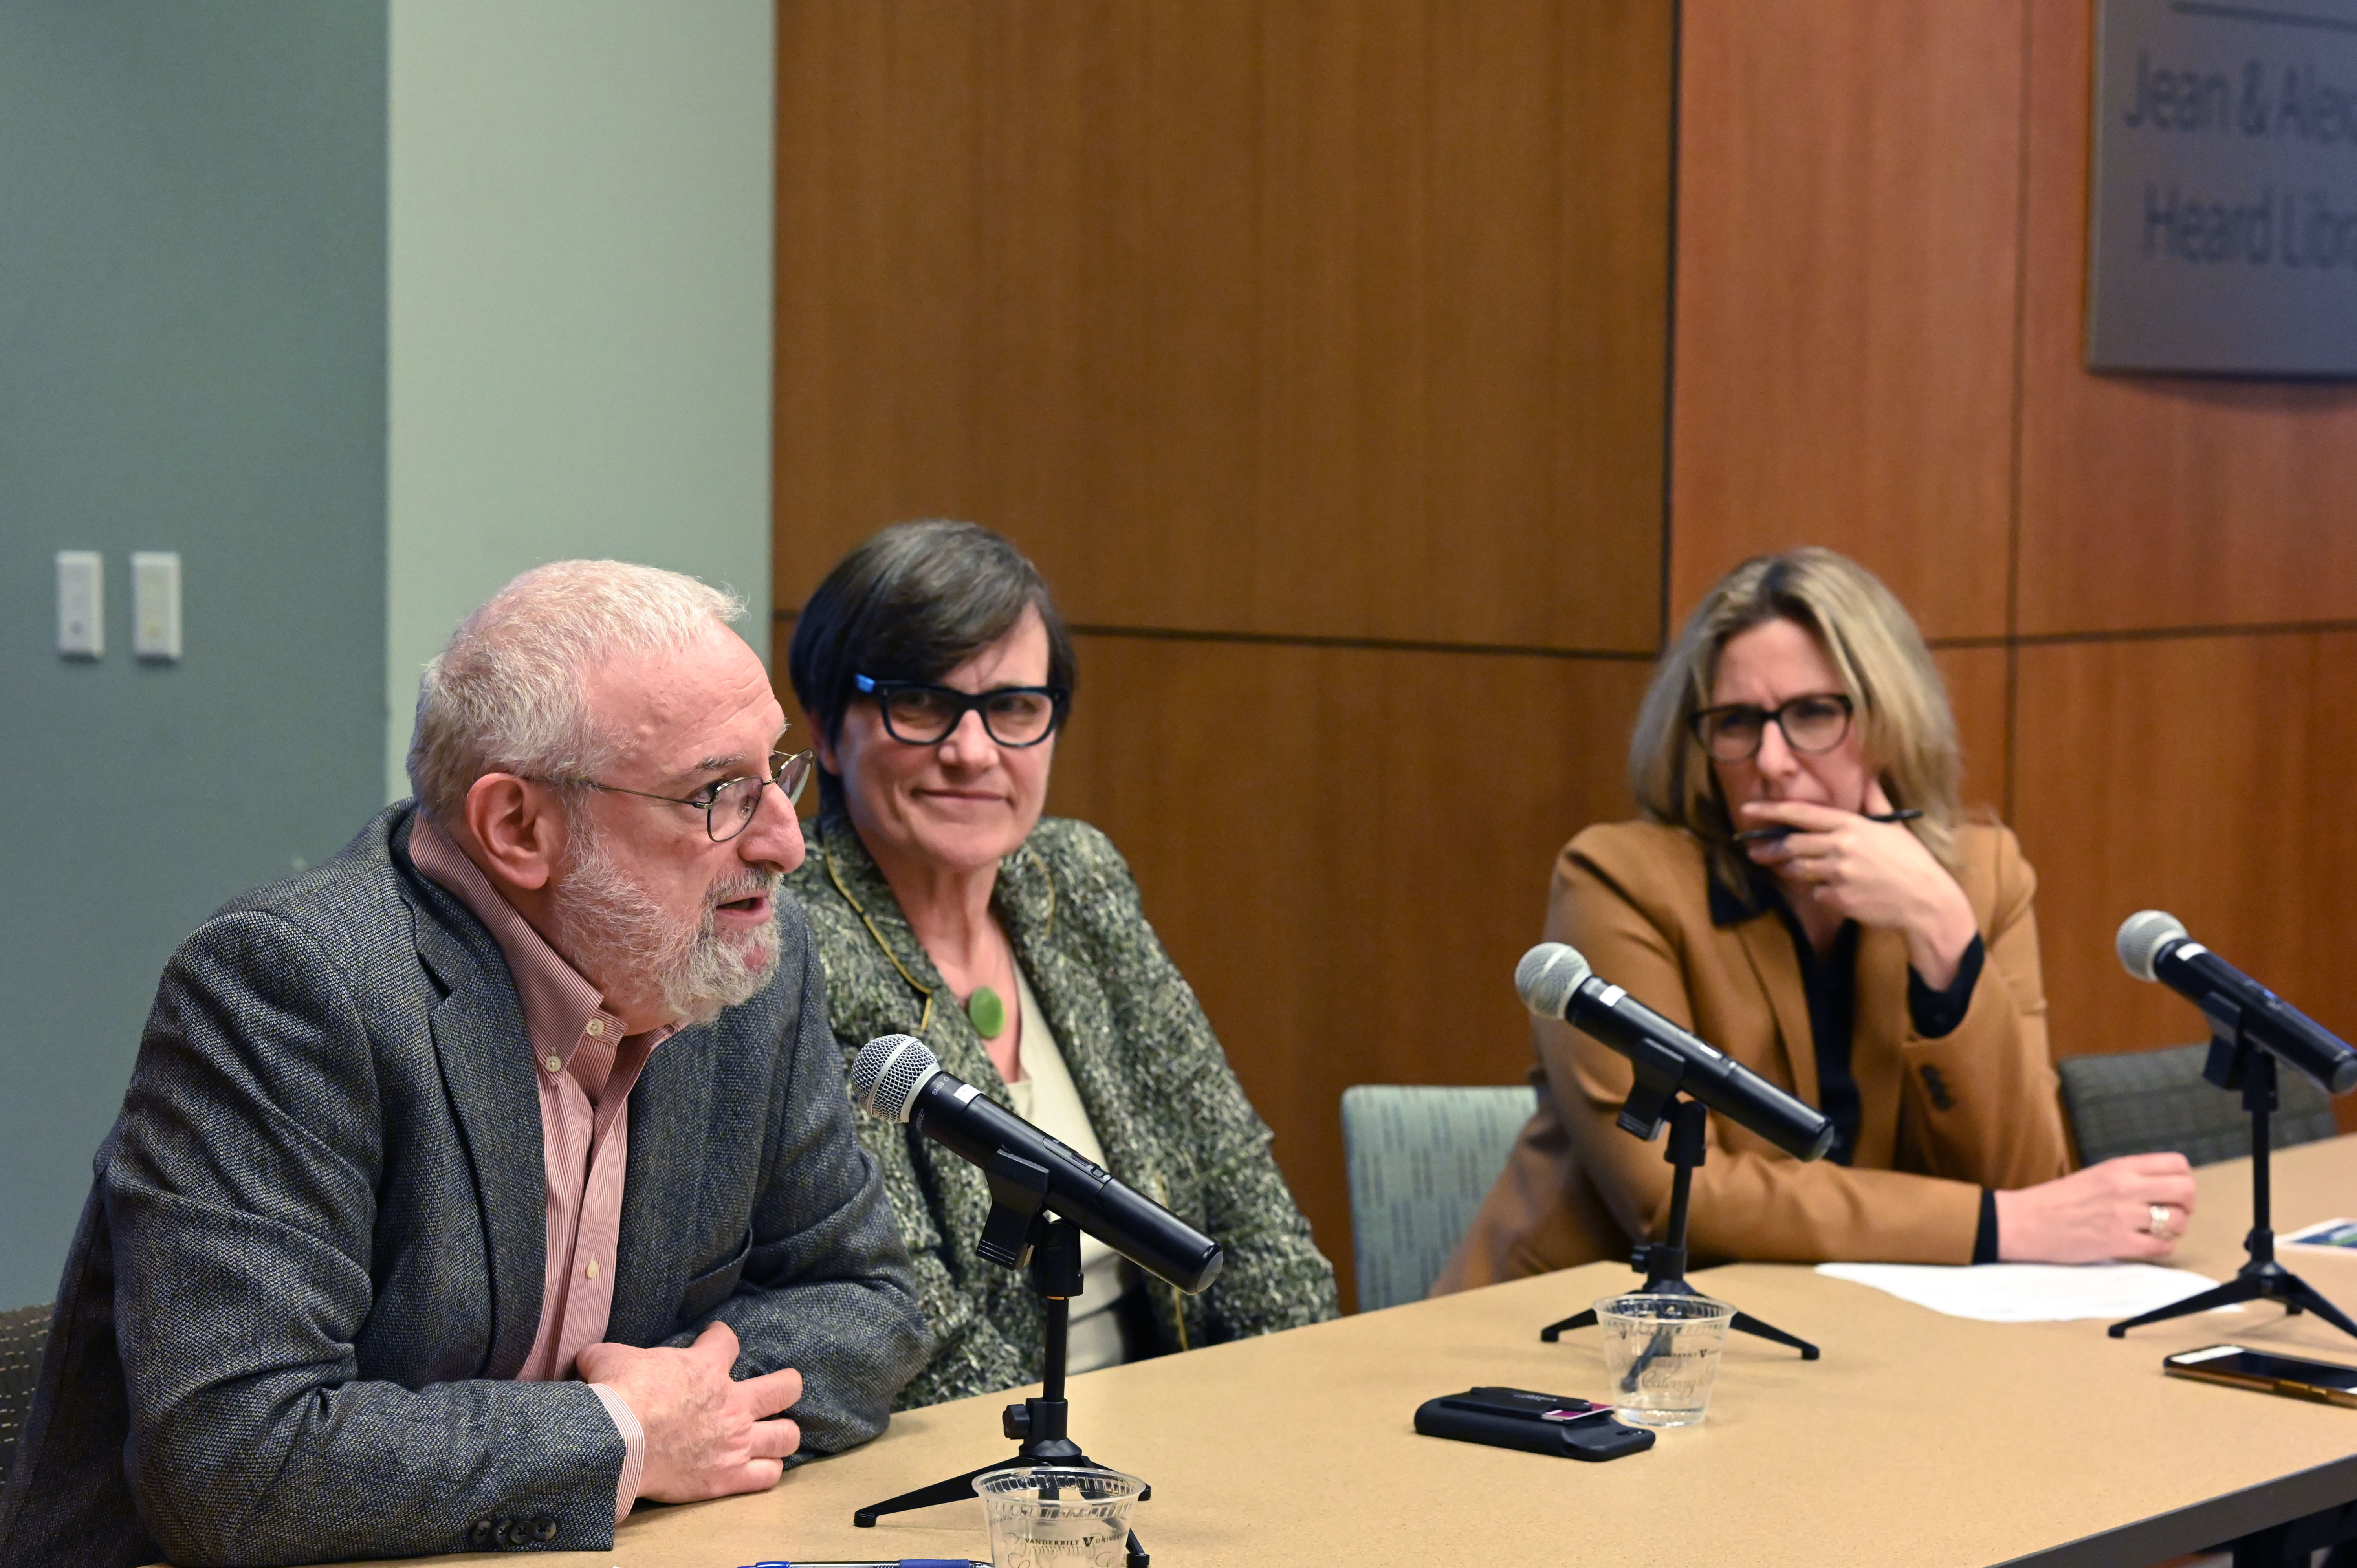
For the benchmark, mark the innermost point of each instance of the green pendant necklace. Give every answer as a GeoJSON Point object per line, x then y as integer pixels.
{"type": "Point", "coordinates": [985, 1012]}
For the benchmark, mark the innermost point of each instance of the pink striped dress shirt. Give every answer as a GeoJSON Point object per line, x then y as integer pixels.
{"type": "Point", "coordinates": [583, 1067]}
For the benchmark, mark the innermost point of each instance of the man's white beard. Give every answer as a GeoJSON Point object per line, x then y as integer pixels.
{"type": "Point", "coordinates": [624, 942]}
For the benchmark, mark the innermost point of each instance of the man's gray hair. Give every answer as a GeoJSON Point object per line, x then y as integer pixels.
{"type": "Point", "coordinates": [506, 695]}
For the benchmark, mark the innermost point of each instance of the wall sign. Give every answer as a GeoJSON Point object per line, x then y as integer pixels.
{"type": "Point", "coordinates": [2223, 233]}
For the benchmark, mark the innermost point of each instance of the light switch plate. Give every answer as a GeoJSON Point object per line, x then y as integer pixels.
{"type": "Point", "coordinates": [82, 604]}
{"type": "Point", "coordinates": [156, 604]}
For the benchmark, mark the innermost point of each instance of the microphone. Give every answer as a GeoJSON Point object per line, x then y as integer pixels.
{"type": "Point", "coordinates": [1556, 982]}
{"type": "Point", "coordinates": [2154, 946]}
{"type": "Point", "coordinates": [898, 1077]}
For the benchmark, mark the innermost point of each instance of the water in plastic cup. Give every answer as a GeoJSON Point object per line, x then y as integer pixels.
{"type": "Point", "coordinates": [1661, 1353]}
{"type": "Point", "coordinates": [1045, 1516]}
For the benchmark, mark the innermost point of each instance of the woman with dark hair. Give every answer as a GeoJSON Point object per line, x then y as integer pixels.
{"type": "Point", "coordinates": [1806, 894]}
{"type": "Point", "coordinates": [937, 674]}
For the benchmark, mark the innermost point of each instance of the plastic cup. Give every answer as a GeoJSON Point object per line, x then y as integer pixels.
{"type": "Point", "coordinates": [1661, 1353]}
{"type": "Point", "coordinates": [1047, 1516]}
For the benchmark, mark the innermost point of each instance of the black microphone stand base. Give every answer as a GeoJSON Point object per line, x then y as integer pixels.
{"type": "Point", "coordinates": [1037, 1424]}
{"type": "Point", "coordinates": [1664, 1261]}
{"type": "Point", "coordinates": [2236, 1064]}
{"type": "Point", "coordinates": [1743, 1321]}
{"type": "Point", "coordinates": [2267, 1282]}
{"type": "Point", "coordinates": [1059, 1452]}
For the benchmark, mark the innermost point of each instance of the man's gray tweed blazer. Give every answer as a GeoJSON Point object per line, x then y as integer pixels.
{"type": "Point", "coordinates": [1174, 1121]}
{"type": "Point", "coordinates": [310, 1265]}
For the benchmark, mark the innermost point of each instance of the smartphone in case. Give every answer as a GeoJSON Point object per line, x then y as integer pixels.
{"type": "Point", "coordinates": [1533, 1422]}
{"type": "Point", "coordinates": [2294, 1377]}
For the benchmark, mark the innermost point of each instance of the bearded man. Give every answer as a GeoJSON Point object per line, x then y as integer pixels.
{"type": "Point", "coordinates": [497, 1174]}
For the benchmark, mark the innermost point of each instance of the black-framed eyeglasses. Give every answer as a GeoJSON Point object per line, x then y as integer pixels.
{"type": "Point", "coordinates": [1813, 724]}
{"type": "Point", "coordinates": [729, 804]}
{"type": "Point", "coordinates": [916, 713]}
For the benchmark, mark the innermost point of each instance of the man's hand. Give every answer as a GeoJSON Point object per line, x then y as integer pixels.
{"type": "Point", "coordinates": [2107, 1210]}
{"type": "Point", "coordinates": [707, 1437]}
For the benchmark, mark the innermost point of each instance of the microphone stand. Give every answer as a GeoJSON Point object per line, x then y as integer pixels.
{"type": "Point", "coordinates": [2234, 1062]}
{"type": "Point", "coordinates": [1020, 1232]}
{"type": "Point", "coordinates": [1664, 1261]}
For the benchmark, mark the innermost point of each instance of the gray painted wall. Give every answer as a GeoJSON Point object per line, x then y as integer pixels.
{"type": "Point", "coordinates": [192, 342]}
{"type": "Point", "coordinates": [579, 302]}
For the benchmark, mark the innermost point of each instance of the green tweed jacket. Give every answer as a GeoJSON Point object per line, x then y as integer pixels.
{"type": "Point", "coordinates": [1174, 1121]}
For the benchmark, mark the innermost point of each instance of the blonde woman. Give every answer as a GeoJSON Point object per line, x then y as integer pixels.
{"type": "Point", "coordinates": [1805, 894]}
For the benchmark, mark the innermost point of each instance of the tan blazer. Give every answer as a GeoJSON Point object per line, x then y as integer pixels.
{"type": "Point", "coordinates": [1941, 1118]}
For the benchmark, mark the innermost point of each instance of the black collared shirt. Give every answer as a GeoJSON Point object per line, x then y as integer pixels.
{"type": "Point", "coordinates": [1829, 982]}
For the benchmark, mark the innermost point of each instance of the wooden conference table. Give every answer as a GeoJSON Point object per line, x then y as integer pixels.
{"type": "Point", "coordinates": [1919, 1439]}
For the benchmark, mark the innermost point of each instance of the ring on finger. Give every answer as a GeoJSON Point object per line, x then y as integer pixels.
{"type": "Point", "coordinates": [2162, 1226]}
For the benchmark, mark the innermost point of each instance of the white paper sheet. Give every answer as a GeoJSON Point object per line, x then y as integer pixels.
{"type": "Point", "coordinates": [2029, 1292]}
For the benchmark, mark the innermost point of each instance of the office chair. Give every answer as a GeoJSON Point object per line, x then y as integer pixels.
{"type": "Point", "coordinates": [2139, 1103]}
{"type": "Point", "coordinates": [1421, 1159]}
{"type": "Point", "coordinates": [24, 1335]}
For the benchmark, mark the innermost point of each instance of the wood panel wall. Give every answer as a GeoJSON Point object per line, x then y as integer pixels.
{"type": "Point", "coordinates": [1317, 351]}
{"type": "Point", "coordinates": [2151, 583]}
{"type": "Point", "coordinates": [1844, 358]}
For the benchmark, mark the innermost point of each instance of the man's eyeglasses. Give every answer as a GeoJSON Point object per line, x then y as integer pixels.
{"type": "Point", "coordinates": [1811, 725]}
{"type": "Point", "coordinates": [916, 713]}
{"type": "Point", "coordinates": [729, 804]}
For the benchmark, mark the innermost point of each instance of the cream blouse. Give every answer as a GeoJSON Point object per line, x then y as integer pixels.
{"type": "Point", "coordinates": [1046, 1098]}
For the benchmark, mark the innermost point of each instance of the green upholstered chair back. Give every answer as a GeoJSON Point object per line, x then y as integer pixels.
{"type": "Point", "coordinates": [1421, 1159]}
{"type": "Point", "coordinates": [2139, 1103]}
{"type": "Point", "coordinates": [24, 1335]}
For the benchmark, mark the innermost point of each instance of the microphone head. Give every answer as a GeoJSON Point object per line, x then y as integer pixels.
{"type": "Point", "coordinates": [888, 1072]}
{"type": "Point", "coordinates": [1548, 976]}
{"type": "Point", "coordinates": [2143, 935]}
